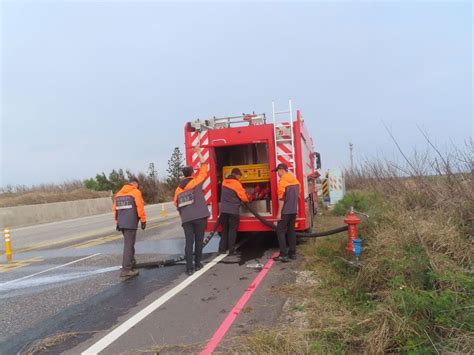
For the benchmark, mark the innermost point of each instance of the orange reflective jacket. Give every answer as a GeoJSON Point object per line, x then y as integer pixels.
{"type": "Point", "coordinates": [236, 186]}
{"type": "Point", "coordinates": [288, 179]}
{"type": "Point", "coordinates": [196, 180]}
{"type": "Point", "coordinates": [130, 190]}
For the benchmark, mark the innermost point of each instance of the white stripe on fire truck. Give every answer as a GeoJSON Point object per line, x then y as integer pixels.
{"type": "Point", "coordinates": [285, 155]}
{"type": "Point", "coordinates": [207, 196]}
{"type": "Point", "coordinates": [286, 148]}
{"type": "Point", "coordinates": [195, 140]}
{"type": "Point", "coordinates": [285, 161]}
{"type": "Point", "coordinates": [204, 139]}
{"type": "Point", "coordinates": [205, 156]}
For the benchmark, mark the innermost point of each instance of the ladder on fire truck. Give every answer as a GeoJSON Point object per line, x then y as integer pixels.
{"type": "Point", "coordinates": [284, 137]}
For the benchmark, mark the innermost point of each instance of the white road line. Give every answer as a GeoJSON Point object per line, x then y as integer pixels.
{"type": "Point", "coordinates": [124, 327]}
{"type": "Point", "coordinates": [50, 269]}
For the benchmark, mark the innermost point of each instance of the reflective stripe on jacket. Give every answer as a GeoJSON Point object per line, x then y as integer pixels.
{"type": "Point", "coordinates": [198, 209]}
{"type": "Point", "coordinates": [288, 191]}
{"type": "Point", "coordinates": [232, 195]}
{"type": "Point", "coordinates": [129, 207]}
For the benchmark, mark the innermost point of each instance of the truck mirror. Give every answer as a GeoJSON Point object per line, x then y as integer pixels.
{"type": "Point", "coordinates": [318, 160]}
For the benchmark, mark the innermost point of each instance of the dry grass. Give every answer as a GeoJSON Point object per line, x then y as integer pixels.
{"type": "Point", "coordinates": [192, 348]}
{"type": "Point", "coordinates": [415, 290]}
{"type": "Point", "coordinates": [285, 341]}
{"type": "Point", "coordinates": [419, 250]}
{"type": "Point", "coordinates": [47, 193]}
{"type": "Point", "coordinates": [47, 343]}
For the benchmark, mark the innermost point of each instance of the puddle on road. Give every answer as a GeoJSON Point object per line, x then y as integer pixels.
{"type": "Point", "coordinates": [172, 246]}
{"type": "Point", "coordinates": [47, 280]}
{"type": "Point", "coordinates": [160, 249]}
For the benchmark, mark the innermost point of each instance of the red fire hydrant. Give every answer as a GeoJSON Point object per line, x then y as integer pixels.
{"type": "Point", "coordinates": [352, 221]}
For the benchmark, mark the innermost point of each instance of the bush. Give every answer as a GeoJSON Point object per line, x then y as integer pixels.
{"type": "Point", "coordinates": [414, 291]}
{"type": "Point", "coordinates": [47, 193]}
{"type": "Point", "coordinates": [152, 188]}
{"type": "Point", "coordinates": [362, 201]}
{"type": "Point", "coordinates": [102, 185]}
{"type": "Point", "coordinates": [417, 255]}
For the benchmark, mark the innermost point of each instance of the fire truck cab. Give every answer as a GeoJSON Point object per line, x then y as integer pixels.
{"type": "Point", "coordinates": [256, 147]}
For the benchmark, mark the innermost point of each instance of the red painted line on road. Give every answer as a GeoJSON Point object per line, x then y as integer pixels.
{"type": "Point", "coordinates": [227, 323]}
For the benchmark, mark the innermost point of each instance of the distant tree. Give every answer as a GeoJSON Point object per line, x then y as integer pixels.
{"type": "Point", "coordinates": [175, 167]}
{"type": "Point", "coordinates": [152, 173]}
{"type": "Point", "coordinates": [9, 189]}
{"type": "Point", "coordinates": [103, 184]}
{"type": "Point", "coordinates": [129, 175]}
{"type": "Point", "coordinates": [117, 179]}
{"type": "Point", "coordinates": [153, 190]}
{"type": "Point", "coordinates": [91, 184]}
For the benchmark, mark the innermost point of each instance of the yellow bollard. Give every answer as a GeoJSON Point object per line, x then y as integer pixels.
{"type": "Point", "coordinates": [8, 244]}
{"type": "Point", "coordinates": [163, 211]}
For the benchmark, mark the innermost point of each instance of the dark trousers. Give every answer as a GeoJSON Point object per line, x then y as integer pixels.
{"type": "Point", "coordinates": [230, 223]}
{"type": "Point", "coordinates": [129, 237]}
{"type": "Point", "coordinates": [286, 233]}
{"type": "Point", "coordinates": [194, 233]}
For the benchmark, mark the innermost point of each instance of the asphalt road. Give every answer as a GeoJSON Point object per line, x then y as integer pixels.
{"type": "Point", "coordinates": [57, 233]}
{"type": "Point", "coordinates": [67, 297]}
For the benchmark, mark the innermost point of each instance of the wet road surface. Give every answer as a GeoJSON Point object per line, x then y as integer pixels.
{"type": "Point", "coordinates": [73, 292]}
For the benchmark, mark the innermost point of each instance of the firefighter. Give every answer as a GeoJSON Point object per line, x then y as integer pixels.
{"type": "Point", "coordinates": [232, 196]}
{"type": "Point", "coordinates": [191, 204]}
{"type": "Point", "coordinates": [288, 196]}
{"type": "Point", "coordinates": [129, 209]}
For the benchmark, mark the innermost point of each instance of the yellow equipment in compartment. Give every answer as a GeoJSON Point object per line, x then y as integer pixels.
{"type": "Point", "coordinates": [250, 173]}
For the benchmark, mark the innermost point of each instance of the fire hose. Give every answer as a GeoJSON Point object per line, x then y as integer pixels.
{"type": "Point", "coordinates": [173, 261]}
{"type": "Point", "coordinates": [299, 234]}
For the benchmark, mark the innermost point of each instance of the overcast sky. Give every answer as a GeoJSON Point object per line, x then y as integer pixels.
{"type": "Point", "coordinates": [91, 86]}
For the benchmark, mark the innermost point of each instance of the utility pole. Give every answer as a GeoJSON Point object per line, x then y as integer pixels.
{"type": "Point", "coordinates": [351, 147]}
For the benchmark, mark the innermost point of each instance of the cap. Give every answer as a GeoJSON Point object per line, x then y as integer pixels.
{"type": "Point", "coordinates": [281, 166]}
{"type": "Point", "coordinates": [236, 171]}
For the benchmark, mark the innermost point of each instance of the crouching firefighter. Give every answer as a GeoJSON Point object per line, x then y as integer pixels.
{"type": "Point", "coordinates": [129, 209]}
{"type": "Point", "coordinates": [232, 196]}
{"type": "Point", "coordinates": [288, 197]}
{"type": "Point", "coordinates": [191, 204]}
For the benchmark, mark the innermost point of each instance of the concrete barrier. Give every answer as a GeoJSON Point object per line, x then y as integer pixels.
{"type": "Point", "coordinates": [51, 212]}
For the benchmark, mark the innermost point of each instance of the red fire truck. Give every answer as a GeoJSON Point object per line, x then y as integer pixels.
{"type": "Point", "coordinates": [256, 147]}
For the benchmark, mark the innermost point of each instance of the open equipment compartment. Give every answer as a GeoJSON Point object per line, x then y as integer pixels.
{"type": "Point", "coordinates": [252, 160]}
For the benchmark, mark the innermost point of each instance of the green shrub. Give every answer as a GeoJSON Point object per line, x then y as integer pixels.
{"type": "Point", "coordinates": [329, 342]}
{"type": "Point", "coordinates": [361, 201]}
{"type": "Point", "coordinates": [152, 188]}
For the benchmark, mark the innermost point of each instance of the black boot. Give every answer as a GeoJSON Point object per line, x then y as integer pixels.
{"type": "Point", "coordinates": [282, 258]}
